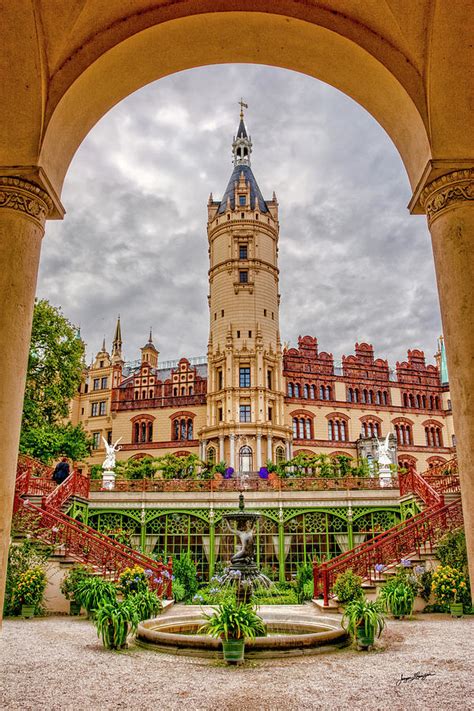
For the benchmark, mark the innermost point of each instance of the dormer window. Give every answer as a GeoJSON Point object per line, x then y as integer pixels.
{"type": "Point", "coordinates": [242, 200]}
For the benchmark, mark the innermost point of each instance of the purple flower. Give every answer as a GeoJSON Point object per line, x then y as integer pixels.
{"type": "Point", "coordinates": [228, 473]}
{"type": "Point", "coordinates": [419, 569]}
{"type": "Point", "coordinates": [263, 473]}
{"type": "Point", "coordinates": [379, 567]}
{"type": "Point", "coordinates": [406, 562]}
{"type": "Point", "coordinates": [148, 573]}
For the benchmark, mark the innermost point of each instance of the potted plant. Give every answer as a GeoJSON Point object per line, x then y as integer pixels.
{"type": "Point", "coordinates": [94, 591]}
{"type": "Point", "coordinates": [450, 589]}
{"type": "Point", "coordinates": [29, 589]}
{"type": "Point", "coordinates": [133, 580]}
{"type": "Point", "coordinates": [232, 622]}
{"type": "Point", "coordinates": [114, 620]}
{"type": "Point", "coordinates": [397, 596]}
{"type": "Point", "coordinates": [146, 603]}
{"type": "Point", "coordinates": [364, 620]}
{"type": "Point", "coordinates": [70, 584]}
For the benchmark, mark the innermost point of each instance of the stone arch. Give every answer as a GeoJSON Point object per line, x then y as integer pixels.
{"type": "Point", "coordinates": [95, 74]}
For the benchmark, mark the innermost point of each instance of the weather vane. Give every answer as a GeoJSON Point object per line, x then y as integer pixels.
{"type": "Point", "coordinates": [242, 107]}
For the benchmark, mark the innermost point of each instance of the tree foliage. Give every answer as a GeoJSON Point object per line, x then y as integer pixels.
{"type": "Point", "coordinates": [55, 364]}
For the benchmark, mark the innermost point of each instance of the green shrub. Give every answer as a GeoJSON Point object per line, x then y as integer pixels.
{"type": "Point", "coordinates": [267, 597]}
{"type": "Point", "coordinates": [146, 604]}
{"type": "Point", "coordinates": [449, 585]}
{"type": "Point", "coordinates": [21, 557]}
{"type": "Point", "coordinates": [73, 579]}
{"type": "Point", "coordinates": [93, 592]}
{"type": "Point", "coordinates": [184, 571]}
{"type": "Point", "coordinates": [348, 587]}
{"type": "Point", "coordinates": [114, 620]}
{"type": "Point", "coordinates": [397, 597]}
{"type": "Point", "coordinates": [179, 591]}
{"type": "Point", "coordinates": [304, 582]}
{"type": "Point", "coordinates": [451, 550]}
{"type": "Point", "coordinates": [29, 588]}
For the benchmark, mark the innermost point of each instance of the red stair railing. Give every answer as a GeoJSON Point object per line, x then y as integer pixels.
{"type": "Point", "coordinates": [408, 536]}
{"type": "Point", "coordinates": [49, 524]}
{"type": "Point", "coordinates": [392, 545]}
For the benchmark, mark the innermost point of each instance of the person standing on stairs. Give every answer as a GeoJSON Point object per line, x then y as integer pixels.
{"type": "Point", "coordinates": [61, 471]}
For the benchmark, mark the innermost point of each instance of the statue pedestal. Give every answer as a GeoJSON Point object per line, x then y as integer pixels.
{"type": "Point", "coordinates": [385, 475]}
{"type": "Point", "coordinates": [108, 480]}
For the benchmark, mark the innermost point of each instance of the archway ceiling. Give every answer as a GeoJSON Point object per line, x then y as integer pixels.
{"type": "Point", "coordinates": [65, 64]}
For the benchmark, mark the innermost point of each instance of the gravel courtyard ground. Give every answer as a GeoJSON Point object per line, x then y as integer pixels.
{"type": "Point", "coordinates": [59, 663]}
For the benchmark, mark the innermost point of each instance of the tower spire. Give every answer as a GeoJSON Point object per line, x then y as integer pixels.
{"type": "Point", "coordinates": [117, 342]}
{"type": "Point", "coordinates": [242, 145]}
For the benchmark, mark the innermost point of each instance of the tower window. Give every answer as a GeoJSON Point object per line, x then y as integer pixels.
{"type": "Point", "coordinates": [243, 277]}
{"type": "Point", "coordinates": [243, 251]}
{"type": "Point", "coordinates": [264, 312]}
{"type": "Point", "coordinates": [270, 414]}
{"type": "Point", "coordinates": [222, 313]}
{"type": "Point", "coordinates": [238, 334]}
{"type": "Point", "coordinates": [244, 377]}
{"type": "Point", "coordinates": [250, 334]}
{"type": "Point", "coordinates": [242, 215]}
{"type": "Point", "coordinates": [220, 379]}
{"type": "Point", "coordinates": [242, 200]}
{"type": "Point", "coordinates": [244, 413]}
{"type": "Point", "coordinates": [256, 216]}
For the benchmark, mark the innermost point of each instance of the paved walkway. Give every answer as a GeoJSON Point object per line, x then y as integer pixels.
{"type": "Point", "coordinates": [58, 663]}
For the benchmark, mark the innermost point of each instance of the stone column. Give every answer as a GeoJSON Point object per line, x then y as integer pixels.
{"type": "Point", "coordinates": [232, 451]}
{"type": "Point", "coordinates": [221, 448]}
{"type": "Point", "coordinates": [23, 211]}
{"type": "Point", "coordinates": [259, 451]}
{"type": "Point", "coordinates": [449, 205]}
{"type": "Point", "coordinates": [269, 448]}
{"type": "Point", "coordinates": [288, 449]}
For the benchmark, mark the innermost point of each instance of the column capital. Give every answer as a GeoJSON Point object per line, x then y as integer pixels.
{"type": "Point", "coordinates": [446, 191]}
{"type": "Point", "coordinates": [23, 196]}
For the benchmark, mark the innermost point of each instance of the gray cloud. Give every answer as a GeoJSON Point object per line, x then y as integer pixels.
{"type": "Point", "coordinates": [354, 264]}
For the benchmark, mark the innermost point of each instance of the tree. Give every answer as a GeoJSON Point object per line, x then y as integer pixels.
{"type": "Point", "coordinates": [55, 365]}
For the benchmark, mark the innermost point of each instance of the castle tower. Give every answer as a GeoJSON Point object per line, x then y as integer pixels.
{"type": "Point", "coordinates": [245, 415]}
{"type": "Point", "coordinates": [150, 353]}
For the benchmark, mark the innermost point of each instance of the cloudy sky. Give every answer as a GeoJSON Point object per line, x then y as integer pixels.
{"type": "Point", "coordinates": [355, 266]}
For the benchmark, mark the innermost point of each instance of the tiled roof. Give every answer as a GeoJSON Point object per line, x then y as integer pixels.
{"type": "Point", "coordinates": [255, 194]}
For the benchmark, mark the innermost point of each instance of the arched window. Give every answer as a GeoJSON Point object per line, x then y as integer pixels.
{"type": "Point", "coordinates": [313, 392]}
{"type": "Point", "coordinates": [307, 429]}
{"type": "Point", "coordinates": [371, 397]}
{"type": "Point", "coordinates": [411, 399]}
{"type": "Point", "coordinates": [211, 455]}
{"type": "Point", "coordinates": [150, 395]}
{"type": "Point", "coordinates": [321, 392]}
{"type": "Point", "coordinates": [142, 429]}
{"type": "Point", "coordinates": [405, 400]}
{"type": "Point", "coordinates": [279, 454]}
{"type": "Point", "coordinates": [245, 459]}
{"type": "Point", "coordinates": [350, 395]}
{"type": "Point", "coordinates": [437, 402]}
{"type": "Point", "coordinates": [297, 390]}
{"type": "Point", "coordinates": [337, 429]}
{"type": "Point", "coordinates": [301, 428]}
{"type": "Point", "coordinates": [423, 400]}
{"type": "Point", "coordinates": [143, 394]}
{"type": "Point", "coordinates": [328, 392]}
{"type": "Point", "coordinates": [385, 397]}
{"type": "Point", "coordinates": [363, 430]}
{"type": "Point", "coordinates": [190, 389]}
{"type": "Point", "coordinates": [175, 392]}
{"type": "Point", "coordinates": [183, 390]}
{"type": "Point", "coordinates": [176, 429]}
{"type": "Point", "coordinates": [136, 432]}
{"type": "Point", "coordinates": [379, 398]}
{"type": "Point", "coordinates": [431, 402]}
{"type": "Point", "coordinates": [190, 429]}
{"type": "Point", "coordinates": [403, 433]}
{"type": "Point", "coordinates": [290, 390]}
{"type": "Point", "coordinates": [150, 431]}
{"type": "Point", "coordinates": [364, 396]}
{"type": "Point", "coordinates": [182, 427]}
{"type": "Point", "coordinates": [356, 395]}
{"type": "Point", "coordinates": [295, 427]}
{"type": "Point", "coordinates": [306, 392]}
{"type": "Point", "coordinates": [418, 401]}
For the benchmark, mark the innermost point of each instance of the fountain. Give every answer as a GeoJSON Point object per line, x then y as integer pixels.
{"type": "Point", "coordinates": [243, 572]}
{"type": "Point", "coordinates": [292, 629]}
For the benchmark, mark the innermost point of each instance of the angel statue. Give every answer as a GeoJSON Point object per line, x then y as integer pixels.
{"type": "Point", "coordinates": [383, 452]}
{"type": "Point", "coordinates": [111, 449]}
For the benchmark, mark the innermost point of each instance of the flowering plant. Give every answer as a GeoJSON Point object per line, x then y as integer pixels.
{"type": "Point", "coordinates": [133, 580]}
{"type": "Point", "coordinates": [449, 585]}
{"type": "Point", "coordinates": [263, 473]}
{"type": "Point", "coordinates": [30, 587]}
{"type": "Point", "coordinates": [228, 473]}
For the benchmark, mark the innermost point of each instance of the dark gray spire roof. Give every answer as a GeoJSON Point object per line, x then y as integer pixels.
{"type": "Point", "coordinates": [256, 196]}
{"type": "Point", "coordinates": [242, 131]}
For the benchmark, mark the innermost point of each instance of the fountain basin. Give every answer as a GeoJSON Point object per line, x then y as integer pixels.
{"type": "Point", "coordinates": [290, 634]}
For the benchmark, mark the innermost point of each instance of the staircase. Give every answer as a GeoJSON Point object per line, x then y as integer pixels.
{"type": "Point", "coordinates": [416, 534]}
{"type": "Point", "coordinates": [47, 522]}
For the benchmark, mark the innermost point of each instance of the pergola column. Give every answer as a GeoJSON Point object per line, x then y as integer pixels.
{"type": "Point", "coordinates": [24, 208]}
{"type": "Point", "coordinates": [449, 205]}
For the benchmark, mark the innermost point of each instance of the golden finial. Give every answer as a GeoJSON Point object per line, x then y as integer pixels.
{"type": "Point", "coordinates": [242, 107]}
